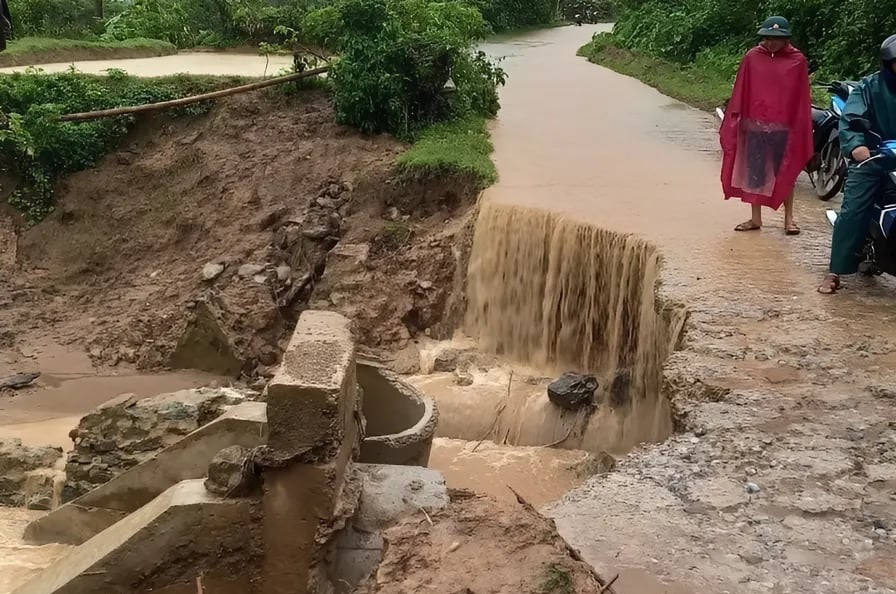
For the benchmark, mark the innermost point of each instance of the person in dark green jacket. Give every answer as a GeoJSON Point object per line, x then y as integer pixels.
{"type": "Point", "coordinates": [874, 100]}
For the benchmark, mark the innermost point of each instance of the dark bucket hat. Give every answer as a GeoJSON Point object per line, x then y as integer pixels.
{"type": "Point", "coordinates": [775, 26]}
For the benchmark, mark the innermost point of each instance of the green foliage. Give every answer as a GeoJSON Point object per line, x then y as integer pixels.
{"type": "Point", "coordinates": [588, 11]}
{"type": "Point", "coordinates": [189, 23]}
{"type": "Point", "coordinates": [840, 38]}
{"type": "Point", "coordinates": [396, 57]}
{"type": "Point", "coordinates": [506, 15]}
{"type": "Point", "coordinates": [37, 148]}
{"type": "Point", "coordinates": [460, 146]}
{"type": "Point", "coordinates": [56, 18]}
{"type": "Point", "coordinates": [557, 580]}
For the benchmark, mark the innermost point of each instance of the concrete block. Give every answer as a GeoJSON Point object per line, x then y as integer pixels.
{"type": "Point", "coordinates": [315, 385]}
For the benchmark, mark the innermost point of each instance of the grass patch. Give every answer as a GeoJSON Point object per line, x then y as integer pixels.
{"type": "Point", "coordinates": [702, 86]}
{"type": "Point", "coordinates": [35, 50]}
{"type": "Point", "coordinates": [461, 146]}
{"type": "Point", "coordinates": [557, 580]}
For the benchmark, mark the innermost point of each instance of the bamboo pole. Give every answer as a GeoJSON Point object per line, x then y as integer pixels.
{"type": "Point", "coordinates": [119, 111]}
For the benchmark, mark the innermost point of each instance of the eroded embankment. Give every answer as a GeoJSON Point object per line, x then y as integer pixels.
{"type": "Point", "coordinates": [558, 295]}
{"type": "Point", "coordinates": [197, 243]}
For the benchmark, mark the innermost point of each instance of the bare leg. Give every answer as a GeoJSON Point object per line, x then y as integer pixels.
{"type": "Point", "coordinates": [755, 222]}
{"type": "Point", "coordinates": [790, 226]}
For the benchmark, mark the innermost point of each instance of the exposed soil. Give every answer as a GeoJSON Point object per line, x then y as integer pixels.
{"type": "Point", "coordinates": [479, 545]}
{"type": "Point", "coordinates": [198, 243]}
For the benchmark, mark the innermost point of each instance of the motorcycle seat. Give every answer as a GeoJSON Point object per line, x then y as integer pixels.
{"type": "Point", "coordinates": [819, 115]}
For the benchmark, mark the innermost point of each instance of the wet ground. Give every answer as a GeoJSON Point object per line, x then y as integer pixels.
{"type": "Point", "coordinates": [779, 389]}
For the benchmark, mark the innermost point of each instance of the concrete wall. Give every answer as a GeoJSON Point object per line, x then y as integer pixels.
{"type": "Point", "coordinates": [86, 516]}
{"type": "Point", "coordinates": [184, 533]}
{"type": "Point", "coordinates": [314, 426]}
{"type": "Point", "coordinates": [401, 422]}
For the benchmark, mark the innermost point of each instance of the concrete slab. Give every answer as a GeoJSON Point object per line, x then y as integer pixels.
{"type": "Point", "coordinates": [180, 535]}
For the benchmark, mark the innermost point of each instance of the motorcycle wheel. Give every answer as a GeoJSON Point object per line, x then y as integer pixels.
{"type": "Point", "coordinates": [832, 172]}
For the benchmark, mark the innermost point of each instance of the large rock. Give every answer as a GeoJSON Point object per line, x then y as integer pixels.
{"type": "Point", "coordinates": [205, 344]}
{"type": "Point", "coordinates": [226, 474]}
{"type": "Point", "coordinates": [572, 391]}
{"type": "Point", "coordinates": [43, 488]}
{"type": "Point", "coordinates": [16, 461]}
{"type": "Point", "coordinates": [128, 430]}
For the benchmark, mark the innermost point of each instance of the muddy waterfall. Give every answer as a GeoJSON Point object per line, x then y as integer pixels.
{"type": "Point", "coordinates": [557, 294]}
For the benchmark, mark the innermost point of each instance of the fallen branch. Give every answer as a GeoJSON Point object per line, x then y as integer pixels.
{"type": "Point", "coordinates": [606, 587]}
{"type": "Point", "coordinates": [497, 413]}
{"type": "Point", "coordinates": [120, 111]}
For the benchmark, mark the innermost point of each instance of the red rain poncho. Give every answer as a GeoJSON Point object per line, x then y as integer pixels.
{"type": "Point", "coordinates": [766, 135]}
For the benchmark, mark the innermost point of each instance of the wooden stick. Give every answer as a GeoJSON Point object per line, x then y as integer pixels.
{"type": "Point", "coordinates": [119, 111]}
{"type": "Point", "coordinates": [609, 585]}
{"type": "Point", "coordinates": [498, 413]}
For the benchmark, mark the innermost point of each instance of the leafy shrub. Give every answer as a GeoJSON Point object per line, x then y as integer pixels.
{"type": "Point", "coordinates": [839, 38]}
{"type": "Point", "coordinates": [188, 23]}
{"type": "Point", "coordinates": [506, 15]}
{"type": "Point", "coordinates": [38, 148]}
{"type": "Point", "coordinates": [396, 57]}
{"type": "Point", "coordinates": [588, 11]}
{"type": "Point", "coordinates": [56, 18]}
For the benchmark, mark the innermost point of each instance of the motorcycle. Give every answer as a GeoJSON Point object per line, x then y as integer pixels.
{"type": "Point", "coordinates": [827, 167]}
{"type": "Point", "coordinates": [879, 251]}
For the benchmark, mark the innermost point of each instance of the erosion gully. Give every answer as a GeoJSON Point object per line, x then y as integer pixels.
{"type": "Point", "coordinates": [782, 474]}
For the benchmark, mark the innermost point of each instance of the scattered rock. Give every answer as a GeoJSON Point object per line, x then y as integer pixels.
{"type": "Point", "coordinates": [572, 390]}
{"type": "Point", "coordinates": [751, 488]}
{"type": "Point", "coordinates": [449, 359]}
{"type": "Point", "coordinates": [19, 380]}
{"type": "Point", "coordinates": [212, 270]}
{"type": "Point", "coordinates": [884, 391]}
{"type": "Point", "coordinates": [226, 474]}
{"type": "Point", "coordinates": [260, 279]}
{"type": "Point", "coordinates": [16, 461]}
{"type": "Point", "coordinates": [248, 270]}
{"type": "Point", "coordinates": [283, 273]}
{"type": "Point", "coordinates": [463, 378]}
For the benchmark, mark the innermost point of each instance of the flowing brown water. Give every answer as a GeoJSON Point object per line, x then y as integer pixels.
{"type": "Point", "coordinates": [557, 294]}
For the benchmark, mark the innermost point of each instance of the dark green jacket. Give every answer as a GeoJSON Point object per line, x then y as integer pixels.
{"type": "Point", "coordinates": [873, 101]}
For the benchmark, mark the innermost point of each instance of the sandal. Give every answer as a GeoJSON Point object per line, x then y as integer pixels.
{"type": "Point", "coordinates": [748, 226]}
{"type": "Point", "coordinates": [829, 285]}
{"type": "Point", "coordinates": [792, 229]}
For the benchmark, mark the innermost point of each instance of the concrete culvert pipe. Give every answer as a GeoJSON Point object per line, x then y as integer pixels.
{"type": "Point", "coordinates": [401, 422]}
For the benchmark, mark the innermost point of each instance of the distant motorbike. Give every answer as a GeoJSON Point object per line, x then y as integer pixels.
{"type": "Point", "coordinates": [879, 251]}
{"type": "Point", "coordinates": [827, 167]}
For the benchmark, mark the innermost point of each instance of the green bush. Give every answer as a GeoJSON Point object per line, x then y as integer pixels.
{"type": "Point", "coordinates": [56, 18]}
{"type": "Point", "coordinates": [588, 11]}
{"type": "Point", "coordinates": [839, 38]}
{"type": "Point", "coordinates": [506, 15]}
{"type": "Point", "coordinates": [189, 23]}
{"type": "Point", "coordinates": [37, 148]}
{"type": "Point", "coordinates": [396, 57]}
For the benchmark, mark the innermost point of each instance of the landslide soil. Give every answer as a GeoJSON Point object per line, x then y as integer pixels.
{"type": "Point", "coordinates": [270, 188]}
{"type": "Point", "coordinates": [478, 545]}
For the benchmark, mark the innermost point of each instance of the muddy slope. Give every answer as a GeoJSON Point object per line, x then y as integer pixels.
{"type": "Point", "coordinates": [199, 242]}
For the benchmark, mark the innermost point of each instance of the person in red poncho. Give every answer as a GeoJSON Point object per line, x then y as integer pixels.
{"type": "Point", "coordinates": [766, 135]}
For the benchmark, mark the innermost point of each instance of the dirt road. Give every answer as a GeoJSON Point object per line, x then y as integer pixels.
{"type": "Point", "coordinates": [784, 478]}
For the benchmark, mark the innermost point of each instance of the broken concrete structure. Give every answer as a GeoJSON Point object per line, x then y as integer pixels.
{"type": "Point", "coordinates": [129, 430]}
{"type": "Point", "coordinates": [401, 421]}
{"type": "Point", "coordinates": [289, 536]}
{"type": "Point", "coordinates": [83, 518]}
